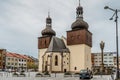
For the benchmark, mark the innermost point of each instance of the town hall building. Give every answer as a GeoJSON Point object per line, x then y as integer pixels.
{"type": "Point", "coordinates": [72, 53]}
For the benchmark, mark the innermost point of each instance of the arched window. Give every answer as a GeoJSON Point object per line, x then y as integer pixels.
{"type": "Point", "coordinates": [56, 60]}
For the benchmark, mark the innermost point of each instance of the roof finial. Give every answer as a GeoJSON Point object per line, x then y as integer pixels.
{"type": "Point", "coordinates": [79, 2]}
{"type": "Point", "coordinates": [48, 13]}
{"type": "Point", "coordinates": [79, 11]}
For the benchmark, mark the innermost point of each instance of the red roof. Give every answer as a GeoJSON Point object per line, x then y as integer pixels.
{"type": "Point", "coordinates": [9, 54]}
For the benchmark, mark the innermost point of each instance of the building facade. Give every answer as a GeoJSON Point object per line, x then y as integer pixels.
{"type": "Point", "coordinates": [2, 58]}
{"type": "Point", "coordinates": [108, 59]}
{"type": "Point", "coordinates": [19, 62]}
{"type": "Point", "coordinates": [72, 53]}
{"type": "Point", "coordinates": [15, 61]}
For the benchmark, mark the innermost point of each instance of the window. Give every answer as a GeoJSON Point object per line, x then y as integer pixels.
{"type": "Point", "coordinates": [67, 58]}
{"type": "Point", "coordinates": [8, 63]}
{"type": "Point", "coordinates": [12, 64]}
{"type": "Point", "coordinates": [15, 63]}
{"type": "Point", "coordinates": [110, 54]}
{"type": "Point", "coordinates": [56, 60]}
{"type": "Point", "coordinates": [45, 42]}
{"type": "Point", "coordinates": [75, 68]}
{"type": "Point", "coordinates": [105, 54]}
{"type": "Point", "coordinates": [8, 58]}
{"type": "Point", "coordinates": [110, 61]}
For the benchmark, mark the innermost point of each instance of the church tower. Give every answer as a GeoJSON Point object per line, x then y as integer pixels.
{"type": "Point", "coordinates": [44, 40]}
{"type": "Point", "coordinates": [79, 41]}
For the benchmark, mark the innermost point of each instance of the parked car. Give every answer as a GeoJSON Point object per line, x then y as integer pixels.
{"type": "Point", "coordinates": [85, 74]}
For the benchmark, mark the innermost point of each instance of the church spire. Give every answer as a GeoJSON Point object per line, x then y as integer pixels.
{"type": "Point", "coordinates": [79, 11]}
{"type": "Point", "coordinates": [79, 2]}
{"type": "Point", "coordinates": [48, 20]}
{"type": "Point", "coordinates": [48, 31]}
{"type": "Point", "coordinates": [79, 23]}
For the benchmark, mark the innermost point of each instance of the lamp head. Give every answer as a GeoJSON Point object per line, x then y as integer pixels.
{"type": "Point", "coordinates": [106, 7]}
{"type": "Point", "coordinates": [111, 19]}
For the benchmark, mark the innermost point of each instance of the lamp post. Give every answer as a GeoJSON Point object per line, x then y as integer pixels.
{"type": "Point", "coordinates": [116, 20]}
{"type": "Point", "coordinates": [102, 44]}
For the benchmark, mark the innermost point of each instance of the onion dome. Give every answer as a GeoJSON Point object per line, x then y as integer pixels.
{"type": "Point", "coordinates": [48, 31]}
{"type": "Point", "coordinates": [79, 23]}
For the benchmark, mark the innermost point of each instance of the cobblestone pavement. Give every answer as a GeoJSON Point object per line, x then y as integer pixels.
{"type": "Point", "coordinates": [31, 76]}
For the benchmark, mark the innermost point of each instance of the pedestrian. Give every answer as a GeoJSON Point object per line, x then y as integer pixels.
{"type": "Point", "coordinates": [112, 76]}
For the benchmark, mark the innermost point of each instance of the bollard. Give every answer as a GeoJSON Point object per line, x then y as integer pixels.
{"type": "Point", "coordinates": [55, 74]}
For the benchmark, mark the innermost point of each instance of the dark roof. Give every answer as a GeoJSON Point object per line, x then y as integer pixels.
{"type": "Point", "coordinates": [48, 31]}
{"type": "Point", "coordinates": [79, 24]}
{"type": "Point", "coordinates": [57, 45]}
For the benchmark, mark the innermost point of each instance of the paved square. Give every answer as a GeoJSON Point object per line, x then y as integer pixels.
{"type": "Point", "coordinates": [59, 76]}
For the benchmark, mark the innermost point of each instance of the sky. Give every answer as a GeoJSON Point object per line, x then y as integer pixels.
{"type": "Point", "coordinates": [21, 22]}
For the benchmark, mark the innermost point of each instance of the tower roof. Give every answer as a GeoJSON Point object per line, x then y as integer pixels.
{"type": "Point", "coordinates": [48, 31]}
{"type": "Point", "coordinates": [79, 23]}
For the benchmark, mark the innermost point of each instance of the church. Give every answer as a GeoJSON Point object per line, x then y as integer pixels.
{"type": "Point", "coordinates": [71, 53]}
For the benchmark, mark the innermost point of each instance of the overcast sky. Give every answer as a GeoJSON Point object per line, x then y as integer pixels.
{"type": "Point", "coordinates": [21, 22]}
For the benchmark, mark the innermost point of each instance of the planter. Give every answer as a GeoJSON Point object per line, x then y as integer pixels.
{"type": "Point", "coordinates": [67, 75]}
{"type": "Point", "coordinates": [21, 75]}
{"type": "Point", "coordinates": [39, 75]}
{"type": "Point", "coordinates": [15, 75]}
{"type": "Point", "coordinates": [46, 75]}
{"type": "Point", "coordinates": [76, 75]}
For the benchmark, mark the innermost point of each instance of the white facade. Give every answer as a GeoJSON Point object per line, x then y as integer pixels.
{"type": "Point", "coordinates": [80, 57]}
{"type": "Point", "coordinates": [108, 59]}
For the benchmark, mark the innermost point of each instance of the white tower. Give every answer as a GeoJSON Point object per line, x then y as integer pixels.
{"type": "Point", "coordinates": [79, 42]}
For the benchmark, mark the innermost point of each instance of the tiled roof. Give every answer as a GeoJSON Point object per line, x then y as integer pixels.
{"type": "Point", "coordinates": [57, 45]}
{"type": "Point", "coordinates": [10, 54]}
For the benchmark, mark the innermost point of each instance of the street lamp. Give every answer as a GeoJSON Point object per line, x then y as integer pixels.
{"type": "Point", "coordinates": [116, 20]}
{"type": "Point", "coordinates": [102, 44]}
